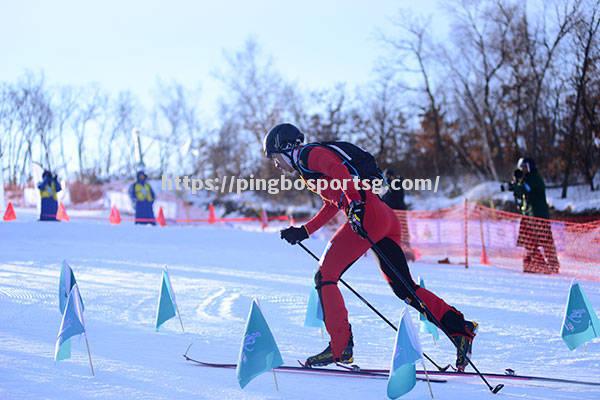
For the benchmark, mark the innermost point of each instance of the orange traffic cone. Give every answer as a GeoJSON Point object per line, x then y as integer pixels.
{"type": "Point", "coordinates": [115, 216]}
{"type": "Point", "coordinates": [161, 217]}
{"type": "Point", "coordinates": [9, 214]}
{"type": "Point", "coordinates": [61, 215]}
{"type": "Point", "coordinates": [212, 218]}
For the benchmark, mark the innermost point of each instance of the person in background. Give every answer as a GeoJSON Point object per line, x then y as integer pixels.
{"type": "Point", "coordinates": [535, 231]}
{"type": "Point", "coordinates": [394, 198]}
{"type": "Point", "coordinates": [49, 187]}
{"type": "Point", "coordinates": [142, 196]}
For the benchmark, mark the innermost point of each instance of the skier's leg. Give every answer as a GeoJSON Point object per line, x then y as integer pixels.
{"type": "Point", "coordinates": [342, 251]}
{"type": "Point", "coordinates": [451, 319]}
{"type": "Point", "coordinates": [447, 317]}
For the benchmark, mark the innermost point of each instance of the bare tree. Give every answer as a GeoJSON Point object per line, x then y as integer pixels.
{"type": "Point", "coordinates": [64, 104]}
{"type": "Point", "coordinates": [482, 53]}
{"type": "Point", "coordinates": [328, 118]}
{"type": "Point", "coordinates": [91, 102]}
{"type": "Point", "coordinates": [585, 37]}
{"type": "Point", "coordinates": [176, 124]}
{"type": "Point", "coordinates": [541, 48]}
{"type": "Point", "coordinates": [414, 53]}
{"type": "Point", "coordinates": [378, 121]}
{"type": "Point", "coordinates": [589, 144]}
{"type": "Point", "coordinates": [256, 92]}
{"type": "Point", "coordinates": [30, 103]}
{"type": "Point", "coordinates": [121, 114]}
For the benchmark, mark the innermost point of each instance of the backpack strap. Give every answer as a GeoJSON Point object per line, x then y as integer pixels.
{"type": "Point", "coordinates": [311, 174]}
{"type": "Point", "coordinates": [304, 153]}
{"type": "Point", "coordinates": [303, 162]}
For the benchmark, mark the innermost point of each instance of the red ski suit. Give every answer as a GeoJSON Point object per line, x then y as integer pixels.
{"type": "Point", "coordinates": [346, 246]}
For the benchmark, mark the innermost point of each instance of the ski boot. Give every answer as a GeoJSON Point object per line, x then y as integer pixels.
{"type": "Point", "coordinates": [326, 356]}
{"type": "Point", "coordinates": [464, 344]}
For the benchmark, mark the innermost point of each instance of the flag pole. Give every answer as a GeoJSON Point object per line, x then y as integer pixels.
{"type": "Point", "coordinates": [180, 321]}
{"type": "Point", "coordinates": [427, 378]}
{"type": "Point", "coordinates": [273, 370]}
{"type": "Point", "coordinates": [87, 345]}
{"type": "Point", "coordinates": [275, 379]}
{"type": "Point", "coordinates": [176, 305]}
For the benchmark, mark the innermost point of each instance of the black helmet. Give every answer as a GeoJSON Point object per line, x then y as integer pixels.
{"type": "Point", "coordinates": [281, 138]}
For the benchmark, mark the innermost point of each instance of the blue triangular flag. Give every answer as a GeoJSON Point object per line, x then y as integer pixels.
{"type": "Point", "coordinates": [426, 325]}
{"type": "Point", "coordinates": [64, 351]}
{"type": "Point", "coordinates": [166, 301]}
{"type": "Point", "coordinates": [71, 324]}
{"type": "Point", "coordinates": [314, 311]}
{"type": "Point", "coordinates": [259, 352]}
{"type": "Point", "coordinates": [580, 323]}
{"type": "Point", "coordinates": [65, 283]}
{"type": "Point", "coordinates": [407, 350]}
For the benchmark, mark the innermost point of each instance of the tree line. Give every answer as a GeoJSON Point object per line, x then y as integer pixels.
{"type": "Point", "coordinates": [512, 79]}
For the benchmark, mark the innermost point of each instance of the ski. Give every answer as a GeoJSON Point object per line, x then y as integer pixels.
{"type": "Point", "coordinates": [509, 374]}
{"type": "Point", "coordinates": [310, 371]}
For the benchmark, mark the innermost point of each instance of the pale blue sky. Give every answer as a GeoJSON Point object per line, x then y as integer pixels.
{"type": "Point", "coordinates": [129, 44]}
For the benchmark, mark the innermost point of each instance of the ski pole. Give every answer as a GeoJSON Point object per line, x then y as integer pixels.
{"type": "Point", "coordinates": [429, 314]}
{"type": "Point", "coordinates": [443, 369]}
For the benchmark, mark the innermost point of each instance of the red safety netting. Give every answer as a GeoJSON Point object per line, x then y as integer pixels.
{"type": "Point", "coordinates": [474, 234]}
{"type": "Point", "coordinates": [467, 234]}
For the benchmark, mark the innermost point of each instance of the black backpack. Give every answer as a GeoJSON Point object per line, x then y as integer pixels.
{"type": "Point", "coordinates": [359, 162]}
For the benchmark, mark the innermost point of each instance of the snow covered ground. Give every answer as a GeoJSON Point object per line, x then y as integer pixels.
{"type": "Point", "coordinates": [216, 271]}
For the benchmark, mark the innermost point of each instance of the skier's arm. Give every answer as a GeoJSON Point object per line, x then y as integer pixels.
{"type": "Point", "coordinates": [323, 216]}
{"type": "Point", "coordinates": [327, 163]}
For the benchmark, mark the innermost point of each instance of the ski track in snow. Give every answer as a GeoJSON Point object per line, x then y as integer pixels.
{"type": "Point", "coordinates": [216, 272]}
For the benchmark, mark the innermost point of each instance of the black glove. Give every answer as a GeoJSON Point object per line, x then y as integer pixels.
{"type": "Point", "coordinates": [294, 235]}
{"type": "Point", "coordinates": [356, 217]}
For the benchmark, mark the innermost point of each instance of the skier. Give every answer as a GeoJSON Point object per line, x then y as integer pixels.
{"type": "Point", "coordinates": [49, 187]}
{"type": "Point", "coordinates": [366, 212]}
{"type": "Point", "coordinates": [530, 194]}
{"type": "Point", "coordinates": [142, 196]}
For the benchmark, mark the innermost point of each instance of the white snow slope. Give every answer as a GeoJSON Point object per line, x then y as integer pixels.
{"type": "Point", "coordinates": [216, 271]}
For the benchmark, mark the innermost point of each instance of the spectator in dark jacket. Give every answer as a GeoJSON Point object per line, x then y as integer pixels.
{"type": "Point", "coordinates": [394, 198]}
{"type": "Point", "coordinates": [49, 187]}
{"type": "Point", "coordinates": [535, 230]}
